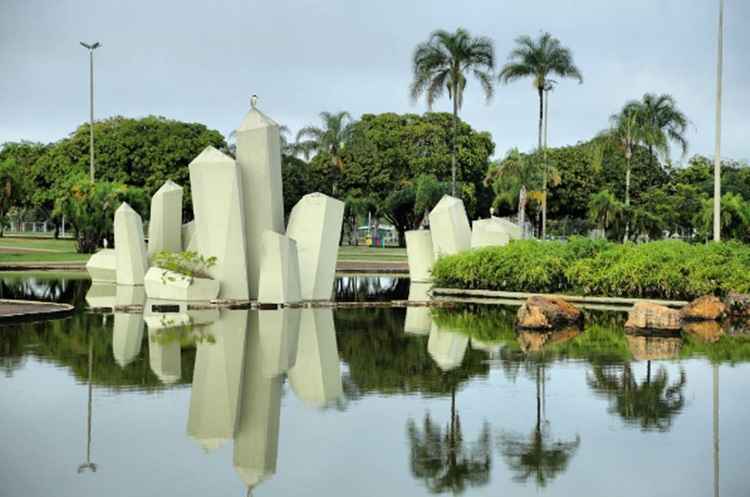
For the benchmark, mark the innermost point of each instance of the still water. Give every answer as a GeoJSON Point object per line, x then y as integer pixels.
{"type": "Point", "coordinates": [399, 402]}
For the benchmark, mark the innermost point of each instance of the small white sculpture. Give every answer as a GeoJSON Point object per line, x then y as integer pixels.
{"type": "Point", "coordinates": [449, 226]}
{"type": "Point", "coordinates": [220, 220]}
{"type": "Point", "coordinates": [501, 225]}
{"type": "Point", "coordinates": [419, 254]}
{"type": "Point", "coordinates": [130, 247]}
{"type": "Point", "coordinates": [279, 270]}
{"type": "Point", "coordinates": [165, 226]}
{"type": "Point", "coordinates": [102, 266]}
{"type": "Point", "coordinates": [189, 240]}
{"type": "Point", "coordinates": [488, 233]}
{"type": "Point", "coordinates": [315, 224]}
{"type": "Point", "coordinates": [259, 162]}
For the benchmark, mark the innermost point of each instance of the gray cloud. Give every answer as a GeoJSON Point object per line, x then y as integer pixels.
{"type": "Point", "coordinates": [200, 61]}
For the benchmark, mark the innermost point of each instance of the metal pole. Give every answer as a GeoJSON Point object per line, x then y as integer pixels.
{"type": "Point", "coordinates": [91, 107]}
{"type": "Point", "coordinates": [716, 428]}
{"type": "Point", "coordinates": [717, 153]}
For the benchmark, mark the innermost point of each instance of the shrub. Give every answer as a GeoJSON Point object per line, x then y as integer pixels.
{"type": "Point", "coordinates": [664, 269]}
{"type": "Point", "coordinates": [189, 264]}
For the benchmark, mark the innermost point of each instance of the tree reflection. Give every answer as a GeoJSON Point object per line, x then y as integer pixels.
{"type": "Point", "coordinates": [443, 461]}
{"type": "Point", "coordinates": [538, 455]}
{"type": "Point", "coordinates": [651, 403]}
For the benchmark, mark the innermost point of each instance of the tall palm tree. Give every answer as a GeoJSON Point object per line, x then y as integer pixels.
{"type": "Point", "coordinates": [605, 209]}
{"type": "Point", "coordinates": [539, 59]}
{"type": "Point", "coordinates": [665, 124]}
{"type": "Point", "coordinates": [329, 138]}
{"type": "Point", "coordinates": [444, 62]}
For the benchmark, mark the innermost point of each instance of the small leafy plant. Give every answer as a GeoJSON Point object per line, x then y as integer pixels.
{"type": "Point", "coordinates": [188, 264]}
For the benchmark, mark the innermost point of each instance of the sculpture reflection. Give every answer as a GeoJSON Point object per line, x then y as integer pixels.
{"type": "Point", "coordinates": [418, 319]}
{"type": "Point", "coordinates": [127, 334]}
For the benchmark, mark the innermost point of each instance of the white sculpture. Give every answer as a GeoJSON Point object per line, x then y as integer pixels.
{"type": "Point", "coordinates": [165, 227]}
{"type": "Point", "coordinates": [257, 437]}
{"type": "Point", "coordinates": [279, 337]}
{"type": "Point", "coordinates": [419, 254]}
{"type": "Point", "coordinates": [189, 240]}
{"type": "Point", "coordinates": [449, 226]}
{"type": "Point", "coordinates": [279, 281]}
{"type": "Point", "coordinates": [168, 285]}
{"type": "Point", "coordinates": [130, 247]}
{"type": "Point", "coordinates": [316, 375]}
{"type": "Point", "coordinates": [259, 161]}
{"type": "Point", "coordinates": [164, 358]}
{"type": "Point", "coordinates": [486, 233]}
{"type": "Point", "coordinates": [220, 220]}
{"type": "Point", "coordinates": [315, 224]}
{"type": "Point", "coordinates": [127, 330]}
{"type": "Point", "coordinates": [101, 295]}
{"type": "Point", "coordinates": [446, 347]}
{"type": "Point", "coordinates": [217, 378]}
{"type": "Point", "coordinates": [418, 319]}
{"type": "Point", "coordinates": [102, 266]}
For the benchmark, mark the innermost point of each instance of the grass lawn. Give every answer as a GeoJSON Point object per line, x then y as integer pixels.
{"type": "Point", "coordinates": [370, 254]}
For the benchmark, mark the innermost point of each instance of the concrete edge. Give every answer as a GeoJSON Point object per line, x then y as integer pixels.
{"type": "Point", "coordinates": [52, 310]}
{"type": "Point", "coordinates": [509, 297]}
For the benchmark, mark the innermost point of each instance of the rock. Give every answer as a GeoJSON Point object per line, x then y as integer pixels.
{"type": "Point", "coordinates": [651, 348]}
{"type": "Point", "coordinates": [705, 331]}
{"type": "Point", "coordinates": [738, 304]}
{"type": "Point", "coordinates": [647, 315]}
{"type": "Point", "coordinates": [545, 313]}
{"type": "Point", "coordinates": [259, 163]}
{"type": "Point", "coordinates": [220, 220]}
{"type": "Point", "coordinates": [449, 226]}
{"type": "Point", "coordinates": [315, 224]}
{"type": "Point", "coordinates": [705, 308]}
{"type": "Point", "coordinates": [420, 255]}
{"type": "Point", "coordinates": [165, 227]}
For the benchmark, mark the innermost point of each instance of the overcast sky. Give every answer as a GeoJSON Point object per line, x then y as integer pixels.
{"type": "Point", "coordinates": [200, 61]}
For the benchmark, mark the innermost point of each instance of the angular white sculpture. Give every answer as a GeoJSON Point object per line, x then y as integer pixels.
{"type": "Point", "coordinates": [165, 226]}
{"type": "Point", "coordinates": [419, 254]}
{"type": "Point", "coordinates": [127, 330]}
{"type": "Point", "coordinates": [315, 224]}
{"type": "Point", "coordinates": [189, 240]}
{"type": "Point", "coordinates": [446, 347]}
{"type": "Point", "coordinates": [486, 233]}
{"type": "Point", "coordinates": [130, 247]}
{"type": "Point", "coordinates": [257, 437]}
{"type": "Point", "coordinates": [316, 376]}
{"type": "Point", "coordinates": [515, 232]}
{"type": "Point", "coordinates": [279, 281]}
{"type": "Point", "coordinates": [279, 337]}
{"type": "Point", "coordinates": [164, 357]}
{"type": "Point", "coordinates": [217, 378]}
{"type": "Point", "coordinates": [101, 295]}
{"type": "Point", "coordinates": [220, 220]}
{"type": "Point", "coordinates": [168, 285]}
{"type": "Point", "coordinates": [449, 226]}
{"type": "Point", "coordinates": [259, 161]}
{"type": "Point", "coordinates": [102, 266]}
{"type": "Point", "coordinates": [418, 319]}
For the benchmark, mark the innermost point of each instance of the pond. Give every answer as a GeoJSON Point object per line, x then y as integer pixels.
{"type": "Point", "coordinates": [375, 401]}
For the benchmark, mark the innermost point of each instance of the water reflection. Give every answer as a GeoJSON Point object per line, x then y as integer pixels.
{"type": "Point", "coordinates": [127, 332]}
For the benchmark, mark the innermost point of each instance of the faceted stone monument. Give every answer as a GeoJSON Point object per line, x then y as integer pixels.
{"type": "Point", "coordinates": [315, 224]}
{"type": "Point", "coordinates": [449, 226]}
{"type": "Point", "coordinates": [220, 220]}
{"type": "Point", "coordinates": [165, 227]}
{"type": "Point", "coordinates": [488, 233]}
{"type": "Point", "coordinates": [316, 376]}
{"type": "Point", "coordinates": [259, 161]}
{"type": "Point", "coordinates": [189, 240]}
{"type": "Point", "coordinates": [419, 254]}
{"type": "Point", "coordinates": [279, 281]}
{"type": "Point", "coordinates": [102, 266]}
{"type": "Point", "coordinates": [130, 247]}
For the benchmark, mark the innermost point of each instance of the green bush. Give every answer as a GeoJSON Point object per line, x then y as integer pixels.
{"type": "Point", "coordinates": [665, 269]}
{"type": "Point", "coordinates": [189, 264]}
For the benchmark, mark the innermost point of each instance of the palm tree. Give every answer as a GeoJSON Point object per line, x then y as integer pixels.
{"type": "Point", "coordinates": [605, 209]}
{"type": "Point", "coordinates": [539, 59]}
{"type": "Point", "coordinates": [330, 138]}
{"type": "Point", "coordinates": [665, 124]}
{"type": "Point", "coordinates": [444, 62]}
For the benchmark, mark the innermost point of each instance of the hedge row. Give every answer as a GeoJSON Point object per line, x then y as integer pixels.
{"type": "Point", "coordinates": [665, 269]}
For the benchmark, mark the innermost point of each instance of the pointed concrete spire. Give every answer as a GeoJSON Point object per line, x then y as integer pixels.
{"type": "Point", "coordinates": [165, 227]}
{"type": "Point", "coordinates": [130, 247]}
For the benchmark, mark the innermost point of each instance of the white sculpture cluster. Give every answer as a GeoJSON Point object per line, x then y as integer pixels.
{"type": "Point", "coordinates": [238, 210]}
{"type": "Point", "coordinates": [450, 234]}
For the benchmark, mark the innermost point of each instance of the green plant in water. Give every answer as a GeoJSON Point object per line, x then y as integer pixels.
{"type": "Point", "coordinates": [189, 264]}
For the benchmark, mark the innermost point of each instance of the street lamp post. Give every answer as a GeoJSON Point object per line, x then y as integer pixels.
{"type": "Point", "coordinates": [717, 152]}
{"type": "Point", "coordinates": [91, 47]}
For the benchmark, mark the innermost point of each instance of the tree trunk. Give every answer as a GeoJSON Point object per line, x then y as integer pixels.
{"type": "Point", "coordinates": [628, 157]}
{"type": "Point", "coordinates": [453, 151]}
{"type": "Point", "coordinates": [544, 175]}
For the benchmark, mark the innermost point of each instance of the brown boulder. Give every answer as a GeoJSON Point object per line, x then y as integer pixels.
{"type": "Point", "coordinates": [646, 315]}
{"type": "Point", "coordinates": [706, 308]}
{"type": "Point", "coordinates": [546, 313]}
{"type": "Point", "coordinates": [705, 331]}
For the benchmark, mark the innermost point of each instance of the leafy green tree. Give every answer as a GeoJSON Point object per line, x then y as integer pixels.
{"type": "Point", "coordinates": [329, 139]}
{"type": "Point", "coordinates": [444, 62]}
{"type": "Point", "coordinates": [15, 187]}
{"type": "Point", "coordinates": [90, 209]}
{"type": "Point", "coordinates": [295, 177]}
{"type": "Point", "coordinates": [665, 123]}
{"type": "Point", "coordinates": [428, 191]}
{"type": "Point", "coordinates": [628, 131]}
{"type": "Point", "coordinates": [605, 210]}
{"type": "Point", "coordinates": [539, 59]}
{"type": "Point", "coordinates": [735, 218]}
